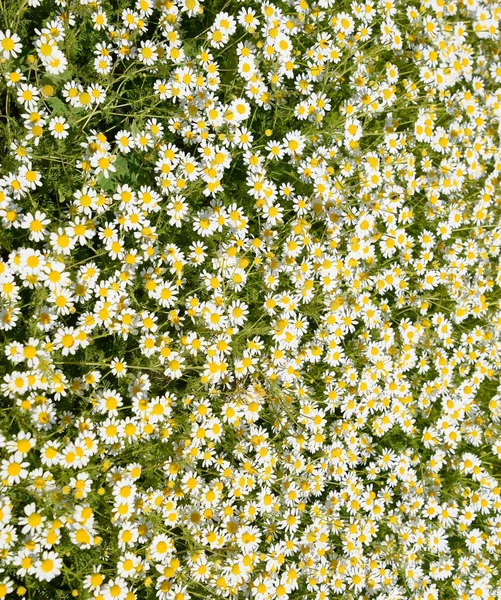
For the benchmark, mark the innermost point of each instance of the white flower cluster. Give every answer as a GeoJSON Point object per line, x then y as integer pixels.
{"type": "Point", "coordinates": [250, 304]}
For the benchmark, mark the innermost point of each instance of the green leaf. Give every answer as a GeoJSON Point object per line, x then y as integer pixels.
{"type": "Point", "coordinates": [55, 79]}
{"type": "Point", "coordinates": [134, 129]}
{"type": "Point", "coordinates": [121, 166]}
{"type": "Point", "coordinates": [107, 184]}
{"type": "Point", "coordinates": [58, 106]}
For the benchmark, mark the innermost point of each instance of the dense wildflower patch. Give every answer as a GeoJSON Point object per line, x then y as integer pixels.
{"type": "Point", "coordinates": [250, 305]}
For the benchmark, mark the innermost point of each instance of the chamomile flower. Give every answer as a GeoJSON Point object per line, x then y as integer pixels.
{"type": "Point", "coordinates": [36, 225]}
{"type": "Point", "coordinates": [59, 128]}
{"type": "Point", "coordinates": [10, 44]}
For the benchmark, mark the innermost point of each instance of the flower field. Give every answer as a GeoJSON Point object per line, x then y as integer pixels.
{"type": "Point", "coordinates": [250, 299]}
